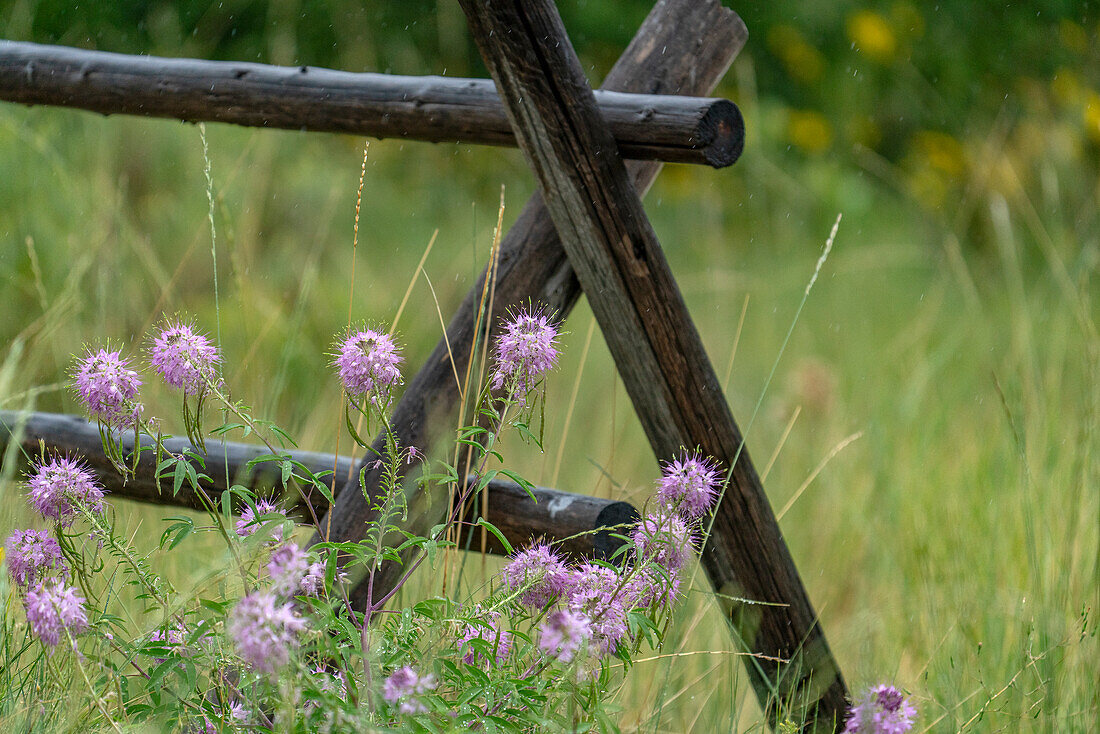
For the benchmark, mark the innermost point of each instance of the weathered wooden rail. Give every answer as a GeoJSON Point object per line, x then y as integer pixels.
{"type": "Point", "coordinates": [430, 108]}
{"type": "Point", "coordinates": [587, 228]}
{"type": "Point", "coordinates": [657, 350]}
{"type": "Point", "coordinates": [579, 525]}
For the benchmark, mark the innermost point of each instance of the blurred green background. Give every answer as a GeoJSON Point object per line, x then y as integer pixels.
{"type": "Point", "coordinates": [930, 438]}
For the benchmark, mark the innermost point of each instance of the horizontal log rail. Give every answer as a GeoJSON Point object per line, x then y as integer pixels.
{"type": "Point", "coordinates": [579, 525]}
{"type": "Point", "coordinates": [430, 108]}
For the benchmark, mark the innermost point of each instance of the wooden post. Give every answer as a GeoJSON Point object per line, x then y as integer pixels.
{"type": "Point", "coordinates": [658, 352]}
{"type": "Point", "coordinates": [683, 47]}
{"type": "Point", "coordinates": [431, 108]}
{"type": "Point", "coordinates": [579, 525]}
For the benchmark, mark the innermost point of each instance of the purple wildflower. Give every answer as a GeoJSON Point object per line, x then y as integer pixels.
{"type": "Point", "coordinates": [334, 684]}
{"type": "Point", "coordinates": [598, 592]}
{"type": "Point", "coordinates": [525, 351]}
{"type": "Point", "coordinates": [313, 582]}
{"type": "Point", "coordinates": [31, 555]}
{"type": "Point", "coordinates": [53, 607]}
{"type": "Point", "coordinates": [564, 633]}
{"type": "Point", "coordinates": [108, 388]}
{"type": "Point", "coordinates": [184, 358]}
{"type": "Point", "coordinates": [650, 587]}
{"type": "Point", "coordinates": [239, 714]}
{"type": "Point", "coordinates": [689, 485]}
{"type": "Point", "coordinates": [488, 630]}
{"type": "Point", "coordinates": [330, 682]}
{"type": "Point", "coordinates": [882, 710]}
{"type": "Point", "coordinates": [250, 520]}
{"type": "Point", "coordinates": [265, 630]}
{"type": "Point", "coordinates": [288, 567]}
{"type": "Point", "coordinates": [368, 364]}
{"type": "Point", "coordinates": [62, 485]}
{"type": "Point", "coordinates": [666, 541]}
{"type": "Point", "coordinates": [538, 570]}
{"type": "Point", "coordinates": [406, 684]}
{"type": "Point", "coordinates": [169, 639]}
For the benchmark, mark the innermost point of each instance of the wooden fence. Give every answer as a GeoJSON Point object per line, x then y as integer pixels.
{"type": "Point", "coordinates": [585, 231]}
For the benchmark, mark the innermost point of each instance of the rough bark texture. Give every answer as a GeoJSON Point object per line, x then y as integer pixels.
{"type": "Point", "coordinates": [580, 525]}
{"type": "Point", "coordinates": [431, 108]}
{"type": "Point", "coordinates": [657, 350]}
{"type": "Point", "coordinates": [683, 47]}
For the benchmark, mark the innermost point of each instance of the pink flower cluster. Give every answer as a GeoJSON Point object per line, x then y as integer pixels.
{"type": "Point", "coordinates": [32, 555]}
{"type": "Point", "coordinates": [313, 582]}
{"type": "Point", "coordinates": [406, 685]}
{"type": "Point", "coordinates": [487, 630]}
{"type": "Point", "coordinates": [882, 710]}
{"type": "Point", "coordinates": [368, 364]}
{"type": "Point", "coordinates": [108, 388]}
{"type": "Point", "coordinates": [688, 486]}
{"type": "Point", "coordinates": [289, 568]}
{"type": "Point", "coordinates": [60, 486]}
{"type": "Point", "coordinates": [596, 599]}
{"type": "Point", "coordinates": [59, 489]}
{"type": "Point", "coordinates": [540, 573]}
{"type": "Point", "coordinates": [52, 608]}
{"type": "Point", "coordinates": [664, 540]}
{"type": "Point", "coordinates": [596, 596]}
{"type": "Point", "coordinates": [169, 638]}
{"type": "Point", "coordinates": [266, 624]}
{"type": "Point", "coordinates": [667, 536]}
{"type": "Point", "coordinates": [251, 519]}
{"type": "Point", "coordinates": [525, 351]}
{"type": "Point", "coordinates": [564, 633]}
{"type": "Point", "coordinates": [265, 630]}
{"type": "Point", "coordinates": [184, 358]}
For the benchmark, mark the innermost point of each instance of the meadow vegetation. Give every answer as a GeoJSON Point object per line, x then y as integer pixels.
{"type": "Point", "coordinates": [931, 436]}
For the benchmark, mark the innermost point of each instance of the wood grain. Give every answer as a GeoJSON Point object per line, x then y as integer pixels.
{"type": "Point", "coordinates": [430, 108]}
{"type": "Point", "coordinates": [657, 350]}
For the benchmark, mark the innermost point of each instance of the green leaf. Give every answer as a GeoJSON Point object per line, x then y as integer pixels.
{"type": "Point", "coordinates": [351, 429]}
{"type": "Point", "coordinates": [282, 434]}
{"type": "Point", "coordinates": [177, 532]}
{"type": "Point", "coordinates": [484, 479]}
{"type": "Point", "coordinates": [226, 428]}
{"type": "Point", "coordinates": [213, 605]}
{"type": "Point", "coordinates": [197, 458]}
{"type": "Point", "coordinates": [435, 608]}
{"type": "Point", "coordinates": [482, 522]}
{"type": "Point", "coordinates": [526, 485]}
{"type": "Point", "coordinates": [178, 476]}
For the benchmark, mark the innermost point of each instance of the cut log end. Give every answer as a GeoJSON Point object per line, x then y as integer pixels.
{"type": "Point", "coordinates": [722, 132]}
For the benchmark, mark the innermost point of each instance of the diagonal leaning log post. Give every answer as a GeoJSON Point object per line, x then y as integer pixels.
{"type": "Point", "coordinates": [658, 352]}
{"type": "Point", "coordinates": [683, 47]}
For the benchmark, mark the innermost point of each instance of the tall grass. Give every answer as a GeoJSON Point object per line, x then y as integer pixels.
{"type": "Point", "coordinates": [951, 548]}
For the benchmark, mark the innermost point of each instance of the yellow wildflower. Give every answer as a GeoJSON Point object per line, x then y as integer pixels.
{"type": "Point", "coordinates": [872, 36]}
{"type": "Point", "coordinates": [943, 152]}
{"type": "Point", "coordinates": [1092, 116]}
{"type": "Point", "coordinates": [803, 62]}
{"type": "Point", "coordinates": [809, 130]}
